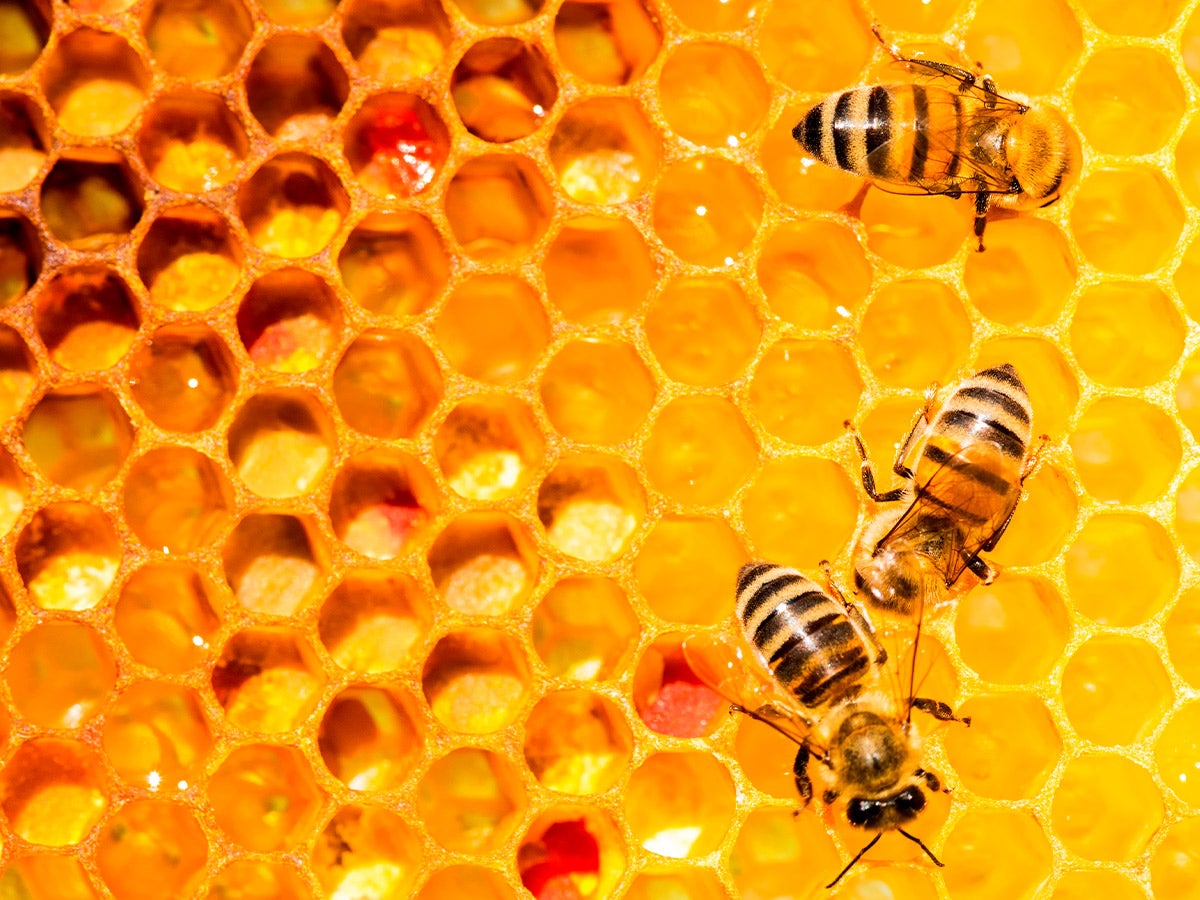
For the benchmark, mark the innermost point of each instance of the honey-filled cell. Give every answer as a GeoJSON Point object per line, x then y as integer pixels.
{"type": "Point", "coordinates": [1117, 18]}
{"type": "Point", "coordinates": [1175, 862]}
{"type": "Point", "coordinates": [197, 41]}
{"type": "Point", "coordinates": [503, 89]}
{"type": "Point", "coordinates": [591, 505]}
{"type": "Point", "coordinates": [493, 328]}
{"type": "Point", "coordinates": [684, 568]}
{"type": "Point", "coordinates": [1014, 630]}
{"type": "Point", "coordinates": [803, 390]}
{"type": "Point", "coordinates": [713, 94]}
{"type": "Point", "coordinates": [24, 30]}
{"type": "Point", "coordinates": [369, 739]}
{"type": "Point", "coordinates": [374, 621]}
{"type": "Point", "coordinates": [17, 372]}
{"type": "Point", "coordinates": [289, 320]}
{"type": "Point", "coordinates": [274, 563]}
{"type": "Point", "coordinates": [1106, 808]}
{"type": "Point", "coordinates": [584, 629]}
{"type": "Point", "coordinates": [191, 141]}
{"type": "Point", "coordinates": [280, 443]}
{"type": "Point", "coordinates": [95, 82]}
{"type": "Point", "coordinates": [1010, 749]}
{"type": "Point", "coordinates": [1030, 60]}
{"type": "Point", "coordinates": [1187, 513]}
{"type": "Point", "coordinates": [265, 798]}
{"type": "Point", "coordinates": [366, 845]}
{"type": "Point", "coordinates": [484, 563]}
{"type": "Point", "coordinates": [1115, 689]}
{"type": "Point", "coordinates": [292, 205]}
{"type": "Point", "coordinates": [46, 876]}
{"type": "Point", "coordinates": [1087, 884]}
{"type": "Point", "coordinates": [67, 556]}
{"type": "Point", "coordinates": [474, 881]}
{"type": "Point", "coordinates": [915, 232]}
{"type": "Point", "coordinates": [679, 805]}
{"type": "Point", "coordinates": [1044, 520]}
{"type": "Point", "coordinates": [577, 742]}
{"type": "Point", "coordinates": [394, 263]}
{"type": "Point", "coordinates": [1121, 569]}
{"type": "Point", "coordinates": [176, 500]}
{"type": "Point", "coordinates": [1128, 100]}
{"type": "Point", "coordinates": [78, 436]}
{"type": "Point", "coordinates": [983, 836]}
{"type": "Point", "coordinates": [394, 40]}
{"type": "Point", "coordinates": [598, 270]}
{"type": "Point", "coordinates": [685, 884]}
{"type": "Point", "coordinates": [156, 736]}
{"type": "Point", "coordinates": [476, 680]}
{"type": "Point", "coordinates": [387, 383]}
{"type": "Point", "coordinates": [22, 149]}
{"type": "Point", "coordinates": [669, 697]}
{"type": "Point", "coordinates": [498, 206]}
{"type": "Point", "coordinates": [1105, 317]}
{"type": "Point", "coordinates": [1107, 200]}
{"type": "Point", "coordinates": [910, 884]}
{"type": "Point", "coordinates": [1047, 375]}
{"type": "Point", "coordinates": [815, 46]}
{"type": "Point", "coordinates": [471, 800]}
{"type": "Point", "coordinates": [597, 391]}
{"type": "Point", "coordinates": [1187, 161]}
{"type": "Point", "coordinates": [48, 693]}
{"type": "Point", "coordinates": [1026, 275]}
{"type": "Point", "coordinates": [396, 145]}
{"type": "Point", "coordinates": [610, 42]}
{"type": "Point", "coordinates": [778, 854]}
{"type": "Point", "coordinates": [251, 879]}
{"type": "Point", "coordinates": [87, 318]}
{"type": "Point", "coordinates": [381, 502]}
{"type": "Point", "coordinates": [151, 847]}
{"type": "Point", "coordinates": [1126, 450]}
{"type": "Point", "coordinates": [267, 680]}
{"type": "Point", "coordinates": [699, 451]}
{"type": "Point", "coordinates": [1181, 629]}
{"type": "Point", "coordinates": [605, 151]}
{"type": "Point", "coordinates": [183, 377]}
{"type": "Point", "coordinates": [189, 260]}
{"type": "Point", "coordinates": [707, 210]}
{"type": "Point", "coordinates": [91, 201]}
{"type": "Point", "coordinates": [814, 274]}
{"type": "Point", "coordinates": [489, 448]}
{"type": "Point", "coordinates": [915, 333]}
{"type": "Point", "coordinates": [703, 331]}
{"type": "Point", "coordinates": [1176, 753]}
{"type": "Point", "coordinates": [53, 791]}
{"type": "Point", "coordinates": [572, 851]}
{"type": "Point", "coordinates": [295, 87]}
{"type": "Point", "coordinates": [499, 12]}
{"type": "Point", "coordinates": [166, 615]}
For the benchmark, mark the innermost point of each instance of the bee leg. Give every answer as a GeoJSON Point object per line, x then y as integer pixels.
{"type": "Point", "coordinates": [980, 567]}
{"type": "Point", "coordinates": [890, 49]}
{"type": "Point", "coordinates": [1035, 458]}
{"type": "Point", "coordinates": [939, 710]}
{"type": "Point", "coordinates": [803, 783]}
{"type": "Point", "coordinates": [854, 614]}
{"type": "Point", "coordinates": [861, 853]}
{"type": "Point", "coordinates": [868, 471]}
{"type": "Point", "coordinates": [920, 843]}
{"type": "Point", "coordinates": [924, 414]}
{"type": "Point", "coordinates": [981, 210]}
{"type": "Point", "coordinates": [931, 781]}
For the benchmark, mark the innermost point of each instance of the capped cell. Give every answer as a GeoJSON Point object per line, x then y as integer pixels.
{"type": "Point", "coordinates": [53, 791]}
{"type": "Point", "coordinates": [585, 629]}
{"type": "Point", "coordinates": [1121, 569]}
{"type": "Point", "coordinates": [17, 372]}
{"type": "Point", "coordinates": [471, 799]}
{"type": "Point", "coordinates": [983, 836]}
{"type": "Point", "coordinates": [571, 849]}
{"type": "Point", "coordinates": [68, 556]}
{"type": "Point", "coordinates": [191, 141]}
{"type": "Point", "coordinates": [78, 436]}
{"type": "Point", "coordinates": [1182, 632]}
{"type": "Point", "coordinates": [713, 94]}
{"type": "Point", "coordinates": [255, 879]}
{"type": "Point", "coordinates": [777, 854]}
{"type": "Point", "coordinates": [707, 210]}
{"type": "Point", "coordinates": [699, 451]}
{"type": "Point", "coordinates": [679, 805]}
{"type": "Point", "coordinates": [1026, 275]}
{"type": "Point", "coordinates": [609, 42]}
{"type": "Point", "coordinates": [396, 144]}
{"type": "Point", "coordinates": [167, 615]}
{"type": "Point", "coordinates": [1115, 689]}
{"type": "Point", "coordinates": [488, 448]}
{"type": "Point", "coordinates": [1109, 198]}
{"type": "Point", "coordinates": [47, 875]}
{"type": "Point", "coordinates": [374, 621]}
{"type": "Point", "coordinates": [670, 698]}
{"type": "Point", "coordinates": [14, 489]}
{"type": "Point", "coordinates": [591, 506]}
{"type": "Point", "coordinates": [1107, 314]}
{"type": "Point", "coordinates": [189, 260]}
{"type": "Point", "coordinates": [394, 263]}
{"type": "Point", "coordinates": [50, 692]}
{"type": "Point", "coordinates": [1031, 60]}
{"type": "Point", "coordinates": [1126, 450]}
{"type": "Point", "coordinates": [150, 847]}
{"type": "Point", "coordinates": [498, 206]}
{"type": "Point", "coordinates": [176, 500]}
{"type": "Point", "coordinates": [1106, 808]}
{"type": "Point", "coordinates": [1010, 749]}
{"type": "Point", "coordinates": [265, 797]}
{"type": "Point", "coordinates": [599, 270]}
{"type": "Point", "coordinates": [799, 510]}
{"type": "Point", "coordinates": [605, 151]}
{"type": "Point", "coordinates": [387, 384]}
{"type": "Point", "coordinates": [183, 377]}
{"type": "Point", "coordinates": [290, 320]}
{"type": "Point", "coordinates": [800, 182]}
{"type": "Point", "coordinates": [366, 845]}
{"type": "Point", "coordinates": [24, 30]}
{"type": "Point", "coordinates": [395, 40]}
{"type": "Point", "coordinates": [93, 202]}
{"type": "Point", "coordinates": [197, 41]}
{"type": "Point", "coordinates": [95, 82]}
{"type": "Point", "coordinates": [1049, 378]}
{"type": "Point", "coordinates": [295, 87]}
{"type": "Point", "coordinates": [1128, 100]}
{"type": "Point", "coordinates": [815, 46]}
{"type": "Point", "coordinates": [915, 333]}
{"type": "Point", "coordinates": [577, 742]}
{"type": "Point", "coordinates": [804, 390]}
{"type": "Point", "coordinates": [499, 12]}
{"type": "Point", "coordinates": [381, 501]}
{"type": "Point", "coordinates": [292, 205]}
{"type": "Point", "coordinates": [280, 443]}
{"type": "Point", "coordinates": [494, 328]}
{"type": "Point", "coordinates": [369, 739]}
{"type": "Point", "coordinates": [503, 88]}
{"type": "Point", "coordinates": [267, 680]}
{"type": "Point", "coordinates": [684, 567]}
{"type": "Point", "coordinates": [484, 564]}
{"type": "Point", "coordinates": [274, 563]}
{"type": "Point", "coordinates": [22, 149]}
{"type": "Point", "coordinates": [156, 737]}
{"type": "Point", "coordinates": [87, 318]}
{"type": "Point", "coordinates": [474, 881]}
{"type": "Point", "coordinates": [1014, 630]}
{"type": "Point", "coordinates": [597, 391]}
{"type": "Point", "coordinates": [814, 274]}
{"type": "Point", "coordinates": [475, 680]}
{"type": "Point", "coordinates": [703, 330]}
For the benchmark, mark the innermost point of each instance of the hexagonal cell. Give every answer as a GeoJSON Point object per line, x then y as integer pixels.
{"type": "Point", "coordinates": [274, 563]}
{"type": "Point", "coordinates": [293, 205]}
{"type": "Point", "coordinates": [571, 852]}
{"type": "Point", "coordinates": [1116, 18]}
{"type": "Point", "coordinates": [1049, 378]}
{"type": "Point", "coordinates": [605, 151]}
{"type": "Point", "coordinates": [1048, 513]}
{"type": "Point", "coordinates": [280, 443]}
{"type": "Point", "coordinates": [503, 89]}
{"type": "Point", "coordinates": [598, 270]}
{"type": "Point", "coordinates": [679, 805]}
{"type": "Point", "coordinates": [47, 877]}
{"type": "Point", "coordinates": [499, 12]}
{"type": "Point", "coordinates": [1115, 690]}
{"type": "Point", "coordinates": [150, 847]}
{"type": "Point", "coordinates": [53, 791]}
{"type": "Point", "coordinates": [1010, 749]}
{"type": "Point", "coordinates": [48, 691]}
{"type": "Point", "coordinates": [166, 616]}
{"type": "Point", "coordinates": [176, 500]}
{"type": "Point", "coordinates": [290, 320]}
{"type": "Point", "coordinates": [577, 742]}
{"type": "Point", "coordinates": [13, 490]}
{"type": "Point", "coordinates": [365, 845]}
{"type": "Point", "coordinates": [295, 87]}
{"type": "Point", "coordinates": [1187, 161]}
{"type": "Point", "coordinates": [1175, 753]}
{"type": "Point", "coordinates": [78, 436]}
{"type": "Point", "coordinates": [92, 201]}
{"type": "Point", "coordinates": [381, 502]}
{"type": "Point", "coordinates": [1026, 275]}
{"type": "Point", "coordinates": [777, 854]}
{"type": "Point", "coordinates": [703, 331]}
{"type": "Point", "coordinates": [1109, 198]}
{"type": "Point", "coordinates": [155, 735]}
{"type": "Point", "coordinates": [484, 564]}
{"type": "Point", "coordinates": [252, 879]}
{"type": "Point", "coordinates": [1121, 569]}
{"type": "Point", "coordinates": [494, 328]}
{"type": "Point", "coordinates": [670, 698]}
{"type": "Point", "coordinates": [87, 318]}
{"type": "Point", "coordinates": [374, 621]}
{"type": "Point", "coordinates": [711, 15]}
{"type": "Point", "coordinates": [1182, 633]}
{"type": "Point", "coordinates": [1107, 313]}
{"type": "Point", "coordinates": [1032, 60]}
{"type": "Point", "coordinates": [713, 94]}
{"type": "Point", "coordinates": [814, 274]}
{"type": "Point", "coordinates": [188, 260]}
{"type": "Point", "coordinates": [1187, 513]}
{"type": "Point", "coordinates": [914, 333]}
{"type": "Point", "coordinates": [475, 680]}
{"type": "Point", "coordinates": [683, 568]}
{"type": "Point", "coordinates": [394, 263]}
{"type": "Point", "coordinates": [609, 42]}
{"type": "Point", "coordinates": [197, 39]}
{"type": "Point", "coordinates": [17, 372]}
{"type": "Point", "coordinates": [591, 506]}
{"type": "Point", "coordinates": [387, 383]}
{"type": "Point", "coordinates": [1012, 631]}
{"type": "Point", "coordinates": [489, 448]}
{"type": "Point", "coordinates": [474, 881]}
{"type": "Point", "coordinates": [471, 800]}
{"type": "Point", "coordinates": [369, 739]}
{"type": "Point", "coordinates": [799, 510]}
{"type": "Point", "coordinates": [700, 451]}
{"type": "Point", "coordinates": [983, 836]}
{"type": "Point", "coordinates": [265, 797]}
{"type": "Point", "coordinates": [796, 179]}
{"type": "Point", "coordinates": [1106, 808]}
{"type": "Point", "coordinates": [1175, 864]}
{"type": "Point", "coordinates": [707, 210]}
{"type": "Point", "coordinates": [267, 680]}
{"type": "Point", "coordinates": [396, 145]}
{"type": "Point", "coordinates": [697, 884]}
{"type": "Point", "coordinates": [498, 206]}
{"type": "Point", "coordinates": [1090, 883]}
{"type": "Point", "coordinates": [1129, 100]}
{"type": "Point", "coordinates": [68, 556]}
{"type": "Point", "coordinates": [183, 377]}
{"type": "Point", "coordinates": [192, 141]}
{"type": "Point", "coordinates": [802, 391]}
{"type": "Point", "coordinates": [814, 46]}
{"type": "Point", "coordinates": [24, 30]}
{"type": "Point", "coordinates": [22, 149]}
{"type": "Point", "coordinates": [1126, 450]}
{"type": "Point", "coordinates": [20, 248]}
{"type": "Point", "coordinates": [584, 629]}
{"type": "Point", "coordinates": [597, 392]}
{"type": "Point", "coordinates": [915, 234]}
{"type": "Point", "coordinates": [395, 40]}
{"type": "Point", "coordinates": [95, 82]}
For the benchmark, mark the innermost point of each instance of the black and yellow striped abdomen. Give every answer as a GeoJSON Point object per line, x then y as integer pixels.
{"type": "Point", "coordinates": [809, 644]}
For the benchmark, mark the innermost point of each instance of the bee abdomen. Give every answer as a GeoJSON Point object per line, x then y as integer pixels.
{"type": "Point", "coordinates": [993, 405]}
{"type": "Point", "coordinates": [845, 129]}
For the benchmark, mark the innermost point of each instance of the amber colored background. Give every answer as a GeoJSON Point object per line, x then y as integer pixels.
{"type": "Point", "coordinates": [389, 387]}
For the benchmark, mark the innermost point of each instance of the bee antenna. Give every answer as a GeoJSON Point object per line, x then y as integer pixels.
{"type": "Point", "coordinates": [920, 843]}
{"type": "Point", "coordinates": [861, 854]}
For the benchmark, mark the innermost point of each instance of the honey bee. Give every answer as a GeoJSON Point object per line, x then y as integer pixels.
{"type": "Point", "coordinates": [974, 459]}
{"type": "Point", "coordinates": [947, 131]}
{"type": "Point", "coordinates": [815, 675]}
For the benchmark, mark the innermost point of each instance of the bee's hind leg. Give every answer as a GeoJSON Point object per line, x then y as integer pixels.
{"type": "Point", "coordinates": [982, 199]}
{"type": "Point", "coordinates": [804, 785]}
{"type": "Point", "coordinates": [939, 710]}
{"type": "Point", "coordinates": [868, 470]}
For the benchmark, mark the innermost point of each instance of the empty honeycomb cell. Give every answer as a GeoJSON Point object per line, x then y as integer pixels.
{"type": "Point", "coordinates": [577, 742]}
{"type": "Point", "coordinates": [914, 333]}
{"type": "Point", "coordinates": [167, 615]}
{"type": "Point", "coordinates": [799, 180]}
{"type": "Point", "coordinates": [1045, 519]}
{"type": "Point", "coordinates": [68, 555]}
{"type": "Point", "coordinates": [280, 443]}
{"type": "Point", "coordinates": [778, 854]}
{"type": "Point", "coordinates": [604, 151]}
{"type": "Point", "coordinates": [484, 563]}
{"type": "Point", "coordinates": [274, 563]}
{"type": "Point", "coordinates": [1026, 275]}
{"type": "Point", "coordinates": [473, 881]}
{"type": "Point", "coordinates": [394, 263]}
{"type": "Point", "coordinates": [47, 877]}
{"type": "Point", "coordinates": [295, 87]}
{"type": "Point", "coordinates": [886, 882]}
{"type": "Point", "coordinates": [503, 89]}
{"type": "Point", "coordinates": [499, 12]}
{"type": "Point", "coordinates": [799, 510]}
{"type": "Point", "coordinates": [151, 847]}
{"type": "Point", "coordinates": [493, 328]}
{"type": "Point", "coordinates": [183, 378]}
{"type": "Point", "coordinates": [20, 250]}
{"type": "Point", "coordinates": [684, 569]}
{"type": "Point", "coordinates": [700, 451]}
{"type": "Point", "coordinates": [814, 273]}
{"type": "Point", "coordinates": [87, 318]}
{"type": "Point", "coordinates": [672, 699]}
{"type": "Point", "coordinates": [471, 800]}
{"type": "Point", "coordinates": [1177, 753]}
{"type": "Point", "coordinates": [1010, 749]}
{"type": "Point", "coordinates": [1049, 378]}
{"type": "Point", "coordinates": [188, 260]}
{"type": "Point", "coordinates": [703, 331]}
{"type": "Point", "coordinates": [374, 621]}
{"type": "Point", "coordinates": [590, 506]}
{"type": "Point", "coordinates": [22, 147]}
{"type": "Point", "coordinates": [156, 737]}
{"type": "Point", "coordinates": [1115, 690]}
{"type": "Point", "coordinates": [386, 384]}
{"type": "Point", "coordinates": [584, 629]}
{"type": "Point", "coordinates": [1175, 862]}
{"type": "Point", "coordinates": [24, 30]}
{"type": "Point", "coordinates": [267, 680]}
{"type": "Point", "coordinates": [713, 94]}
{"type": "Point", "coordinates": [17, 372]}
{"type": "Point", "coordinates": [368, 739]}
{"type": "Point", "coordinates": [476, 680]}
{"type": "Point", "coordinates": [598, 270]}
{"type": "Point", "coordinates": [1106, 808]}
{"type": "Point", "coordinates": [396, 145]}
{"type": "Point", "coordinates": [1020, 58]}
{"type": "Point", "coordinates": [197, 40]}
{"type": "Point", "coordinates": [394, 40]}
{"type": "Point", "coordinates": [95, 82]}
{"type": "Point", "coordinates": [1013, 631]}
{"type": "Point", "coordinates": [1107, 200]}
{"type": "Point", "coordinates": [289, 320]}
{"type": "Point", "coordinates": [1129, 100]}
{"type": "Point", "coordinates": [191, 141]}
{"type": "Point", "coordinates": [803, 390]}
{"type": "Point", "coordinates": [489, 447]}
{"type": "Point", "coordinates": [365, 848]}
{"type": "Point", "coordinates": [609, 42]}
{"type": "Point", "coordinates": [1087, 884]}
{"type": "Point", "coordinates": [1126, 451]}
{"type": "Point", "coordinates": [1121, 569]}
{"type": "Point", "coordinates": [265, 798]}
{"type": "Point", "coordinates": [92, 201]}
{"type": "Point", "coordinates": [1182, 632]}
{"type": "Point", "coordinates": [380, 501]}
{"type": "Point", "coordinates": [915, 232]}
{"type": "Point", "coordinates": [292, 205]}
{"type": "Point", "coordinates": [815, 46]}
{"type": "Point", "coordinates": [498, 206]}
{"type": "Point", "coordinates": [60, 674]}
{"type": "Point", "coordinates": [1105, 317]}
{"type": "Point", "coordinates": [707, 210]}
{"type": "Point", "coordinates": [53, 791]}
{"type": "Point", "coordinates": [14, 488]}
{"type": "Point", "coordinates": [253, 879]}
{"type": "Point", "coordinates": [176, 500]}
{"type": "Point", "coordinates": [679, 805]}
{"type": "Point", "coordinates": [78, 436]}
{"type": "Point", "coordinates": [983, 836]}
{"type": "Point", "coordinates": [571, 852]}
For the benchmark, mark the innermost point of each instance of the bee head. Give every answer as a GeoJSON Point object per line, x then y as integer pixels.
{"type": "Point", "coordinates": [886, 812]}
{"type": "Point", "coordinates": [891, 581]}
{"type": "Point", "coordinates": [1043, 153]}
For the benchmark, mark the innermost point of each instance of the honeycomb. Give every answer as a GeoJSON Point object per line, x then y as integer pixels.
{"type": "Point", "coordinates": [390, 387]}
